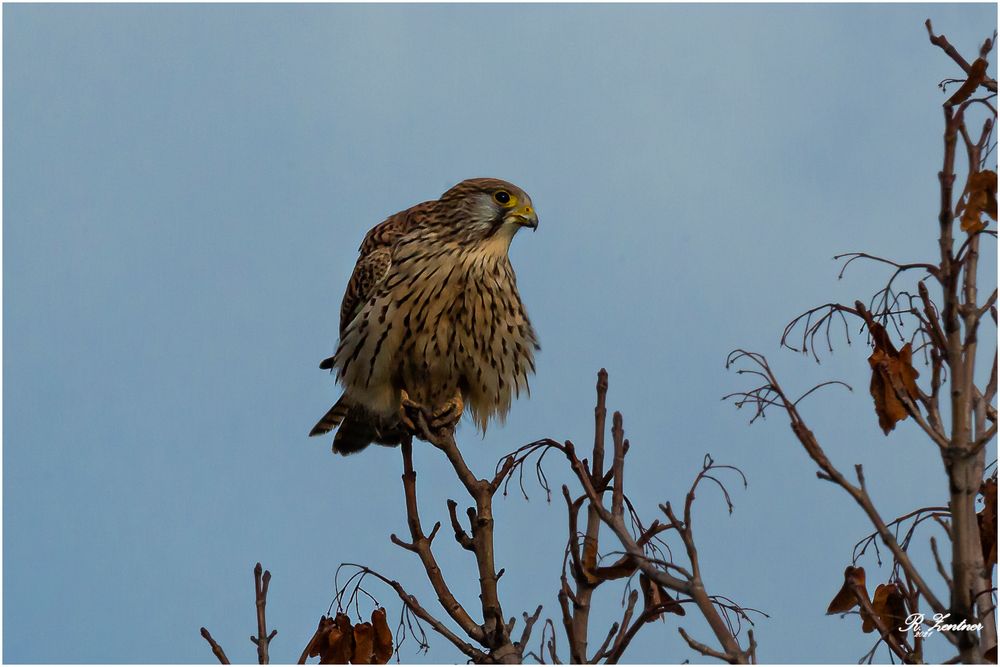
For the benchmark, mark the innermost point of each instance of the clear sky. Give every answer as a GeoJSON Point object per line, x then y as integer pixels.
{"type": "Point", "coordinates": [185, 188]}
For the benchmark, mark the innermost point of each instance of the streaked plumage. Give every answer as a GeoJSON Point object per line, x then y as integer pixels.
{"type": "Point", "coordinates": [432, 309]}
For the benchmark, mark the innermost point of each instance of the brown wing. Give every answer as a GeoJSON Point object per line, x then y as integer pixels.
{"type": "Point", "coordinates": [372, 267]}
{"type": "Point", "coordinates": [376, 258]}
{"type": "Point", "coordinates": [368, 272]}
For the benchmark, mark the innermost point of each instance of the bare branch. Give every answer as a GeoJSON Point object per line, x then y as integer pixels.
{"type": "Point", "coordinates": [216, 649]}
{"type": "Point", "coordinates": [421, 545]}
{"type": "Point", "coordinates": [940, 566]}
{"type": "Point", "coordinates": [811, 328]}
{"type": "Point", "coordinates": [529, 623]}
{"type": "Point", "coordinates": [414, 605]}
{"type": "Point", "coordinates": [830, 473]}
{"type": "Point", "coordinates": [261, 579]}
{"type": "Point", "coordinates": [929, 268]}
{"type": "Point", "coordinates": [460, 535]}
{"type": "Point", "coordinates": [984, 439]}
{"type": "Point", "coordinates": [941, 42]}
{"type": "Point", "coordinates": [618, 476]}
{"type": "Point", "coordinates": [702, 648]}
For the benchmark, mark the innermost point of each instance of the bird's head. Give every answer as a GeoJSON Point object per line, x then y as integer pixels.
{"type": "Point", "coordinates": [487, 209]}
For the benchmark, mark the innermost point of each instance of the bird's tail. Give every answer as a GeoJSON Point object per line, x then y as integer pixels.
{"type": "Point", "coordinates": [332, 419]}
{"type": "Point", "coordinates": [356, 429]}
{"type": "Point", "coordinates": [355, 433]}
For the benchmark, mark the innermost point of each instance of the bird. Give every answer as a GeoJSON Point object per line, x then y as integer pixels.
{"type": "Point", "coordinates": [432, 321]}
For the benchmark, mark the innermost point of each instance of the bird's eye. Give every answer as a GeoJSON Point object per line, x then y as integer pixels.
{"type": "Point", "coordinates": [502, 197]}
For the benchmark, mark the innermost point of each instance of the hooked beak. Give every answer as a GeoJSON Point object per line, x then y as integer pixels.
{"type": "Point", "coordinates": [524, 216]}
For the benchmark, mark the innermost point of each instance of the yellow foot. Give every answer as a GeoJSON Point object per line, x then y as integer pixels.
{"type": "Point", "coordinates": [409, 412]}
{"type": "Point", "coordinates": [449, 414]}
{"type": "Point", "coordinates": [428, 425]}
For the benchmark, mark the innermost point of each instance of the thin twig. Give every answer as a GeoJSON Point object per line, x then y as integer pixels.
{"type": "Point", "coordinates": [941, 42]}
{"type": "Point", "coordinates": [216, 649]}
{"type": "Point", "coordinates": [261, 580]}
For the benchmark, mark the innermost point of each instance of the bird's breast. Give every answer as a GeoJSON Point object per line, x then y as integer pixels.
{"type": "Point", "coordinates": [463, 327]}
{"type": "Point", "coordinates": [446, 319]}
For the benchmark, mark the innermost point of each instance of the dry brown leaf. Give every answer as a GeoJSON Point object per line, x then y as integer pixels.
{"type": "Point", "coordinates": [986, 182]}
{"type": "Point", "coordinates": [888, 407]}
{"type": "Point", "coordinates": [890, 606]}
{"type": "Point", "coordinates": [889, 366]}
{"type": "Point", "coordinates": [318, 643]}
{"type": "Point", "coordinates": [845, 600]}
{"type": "Point", "coordinates": [383, 637]}
{"type": "Point", "coordinates": [625, 567]}
{"type": "Point", "coordinates": [977, 75]}
{"type": "Point", "coordinates": [589, 558]}
{"type": "Point", "coordinates": [364, 640]}
{"type": "Point", "coordinates": [981, 193]}
{"type": "Point", "coordinates": [987, 518]}
{"type": "Point", "coordinates": [339, 642]}
{"type": "Point", "coordinates": [895, 612]}
{"type": "Point", "coordinates": [654, 595]}
{"type": "Point", "coordinates": [336, 649]}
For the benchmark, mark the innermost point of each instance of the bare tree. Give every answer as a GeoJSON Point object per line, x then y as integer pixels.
{"type": "Point", "coordinates": [486, 635]}
{"type": "Point", "coordinates": [953, 409]}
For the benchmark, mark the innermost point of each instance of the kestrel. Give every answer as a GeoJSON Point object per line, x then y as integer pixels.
{"type": "Point", "coordinates": [432, 320]}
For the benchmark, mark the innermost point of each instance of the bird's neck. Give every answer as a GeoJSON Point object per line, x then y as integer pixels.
{"type": "Point", "coordinates": [498, 243]}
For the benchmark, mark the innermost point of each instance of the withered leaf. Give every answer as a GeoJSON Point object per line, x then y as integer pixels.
{"type": "Point", "coordinates": [337, 649]}
{"type": "Point", "coordinates": [621, 569]}
{"type": "Point", "coordinates": [889, 366]}
{"type": "Point", "coordinates": [318, 643]}
{"type": "Point", "coordinates": [845, 600]}
{"type": "Point", "coordinates": [589, 559]}
{"type": "Point", "coordinates": [981, 191]}
{"type": "Point", "coordinates": [890, 606]}
{"type": "Point", "coordinates": [339, 642]}
{"type": "Point", "coordinates": [987, 518]}
{"type": "Point", "coordinates": [656, 596]}
{"type": "Point", "coordinates": [896, 613]}
{"type": "Point", "coordinates": [364, 640]}
{"type": "Point", "coordinates": [383, 637]}
{"type": "Point", "coordinates": [977, 75]}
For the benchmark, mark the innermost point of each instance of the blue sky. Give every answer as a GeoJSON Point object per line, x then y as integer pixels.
{"type": "Point", "coordinates": [185, 190]}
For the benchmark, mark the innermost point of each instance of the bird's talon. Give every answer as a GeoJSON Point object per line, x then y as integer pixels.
{"type": "Point", "coordinates": [408, 402]}
{"type": "Point", "coordinates": [406, 407]}
{"type": "Point", "coordinates": [407, 422]}
{"type": "Point", "coordinates": [413, 416]}
{"type": "Point", "coordinates": [448, 415]}
{"type": "Point", "coordinates": [425, 424]}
